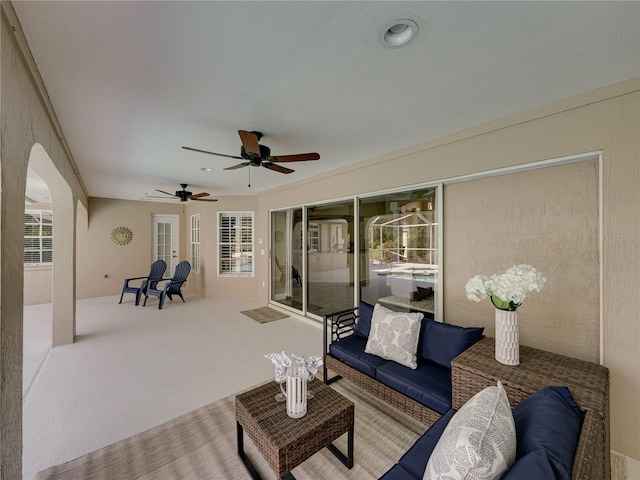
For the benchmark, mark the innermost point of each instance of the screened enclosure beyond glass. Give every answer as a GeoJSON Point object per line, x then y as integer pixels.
{"type": "Point", "coordinates": [313, 254]}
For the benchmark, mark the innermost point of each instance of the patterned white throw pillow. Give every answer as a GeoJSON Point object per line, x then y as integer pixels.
{"type": "Point", "coordinates": [394, 335]}
{"type": "Point", "coordinates": [479, 442]}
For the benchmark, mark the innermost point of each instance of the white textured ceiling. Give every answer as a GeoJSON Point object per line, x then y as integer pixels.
{"type": "Point", "coordinates": [131, 82]}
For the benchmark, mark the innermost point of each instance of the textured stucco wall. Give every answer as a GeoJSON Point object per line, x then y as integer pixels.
{"type": "Point", "coordinates": [207, 283]}
{"type": "Point", "coordinates": [37, 285]}
{"type": "Point", "coordinates": [26, 128]}
{"type": "Point", "coordinates": [547, 218]}
{"type": "Point", "coordinates": [606, 119]}
{"type": "Point", "coordinates": [98, 256]}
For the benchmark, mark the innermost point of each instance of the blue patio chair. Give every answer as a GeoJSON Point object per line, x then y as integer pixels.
{"type": "Point", "coordinates": [157, 271]}
{"type": "Point", "coordinates": [171, 287]}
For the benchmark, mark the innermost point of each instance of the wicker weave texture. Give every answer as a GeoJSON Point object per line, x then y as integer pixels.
{"type": "Point", "coordinates": [394, 398]}
{"type": "Point", "coordinates": [476, 369]}
{"type": "Point", "coordinates": [286, 442]}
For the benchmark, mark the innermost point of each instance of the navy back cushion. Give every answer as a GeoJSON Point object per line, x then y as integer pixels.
{"type": "Point", "coordinates": [442, 342]}
{"type": "Point", "coordinates": [363, 327]}
{"type": "Point", "coordinates": [549, 422]}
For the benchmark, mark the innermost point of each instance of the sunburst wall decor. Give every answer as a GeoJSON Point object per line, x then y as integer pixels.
{"type": "Point", "coordinates": [121, 235]}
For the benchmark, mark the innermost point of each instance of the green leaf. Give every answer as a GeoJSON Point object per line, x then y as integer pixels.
{"type": "Point", "coordinates": [500, 304]}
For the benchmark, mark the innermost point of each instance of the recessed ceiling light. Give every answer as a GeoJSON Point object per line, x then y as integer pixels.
{"type": "Point", "coordinates": [398, 33]}
{"type": "Point", "coordinates": [207, 169]}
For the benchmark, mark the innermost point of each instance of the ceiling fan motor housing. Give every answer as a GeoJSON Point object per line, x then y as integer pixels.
{"type": "Point", "coordinates": [183, 194]}
{"type": "Point", "coordinates": [256, 155]}
{"type": "Point", "coordinates": [255, 161]}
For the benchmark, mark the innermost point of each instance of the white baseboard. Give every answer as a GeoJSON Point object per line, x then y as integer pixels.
{"type": "Point", "coordinates": [633, 466]}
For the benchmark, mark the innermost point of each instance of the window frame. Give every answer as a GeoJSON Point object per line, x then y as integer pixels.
{"type": "Point", "coordinates": [38, 213]}
{"type": "Point", "coordinates": [235, 244]}
{"type": "Point", "coordinates": [194, 243]}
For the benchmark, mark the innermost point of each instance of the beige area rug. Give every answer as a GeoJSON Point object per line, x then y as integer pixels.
{"type": "Point", "coordinates": [264, 314]}
{"type": "Point", "coordinates": [202, 445]}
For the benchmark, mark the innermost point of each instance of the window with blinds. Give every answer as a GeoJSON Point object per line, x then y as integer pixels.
{"type": "Point", "coordinates": [235, 244]}
{"type": "Point", "coordinates": [195, 242]}
{"type": "Point", "coordinates": [38, 237]}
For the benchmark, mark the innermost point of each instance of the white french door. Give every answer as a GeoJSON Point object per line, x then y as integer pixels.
{"type": "Point", "coordinates": [165, 241]}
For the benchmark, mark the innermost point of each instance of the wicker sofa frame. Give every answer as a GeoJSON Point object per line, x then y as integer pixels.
{"type": "Point", "coordinates": [340, 325]}
{"type": "Point", "coordinates": [589, 384]}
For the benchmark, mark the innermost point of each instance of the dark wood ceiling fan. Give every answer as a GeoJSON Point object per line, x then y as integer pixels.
{"type": "Point", "coordinates": [257, 155]}
{"type": "Point", "coordinates": [185, 195]}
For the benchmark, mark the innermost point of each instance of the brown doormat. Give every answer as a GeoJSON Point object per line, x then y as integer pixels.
{"type": "Point", "coordinates": [264, 314]}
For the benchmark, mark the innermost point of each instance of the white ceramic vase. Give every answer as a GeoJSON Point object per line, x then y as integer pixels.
{"type": "Point", "coordinates": [507, 338]}
{"type": "Point", "coordinates": [296, 392]}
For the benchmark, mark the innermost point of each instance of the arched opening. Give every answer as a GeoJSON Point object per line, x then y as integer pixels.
{"type": "Point", "coordinates": [61, 241]}
{"type": "Point", "coordinates": [38, 266]}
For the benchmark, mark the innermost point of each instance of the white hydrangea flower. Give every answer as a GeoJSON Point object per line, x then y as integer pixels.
{"type": "Point", "coordinates": [476, 289]}
{"type": "Point", "coordinates": [508, 290]}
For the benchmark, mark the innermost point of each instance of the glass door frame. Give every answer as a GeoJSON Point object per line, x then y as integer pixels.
{"type": "Point", "coordinates": [174, 221]}
{"type": "Point", "coordinates": [438, 314]}
{"type": "Point", "coordinates": [353, 201]}
{"type": "Point", "coordinates": [439, 186]}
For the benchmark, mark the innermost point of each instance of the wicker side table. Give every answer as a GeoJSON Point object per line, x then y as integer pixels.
{"type": "Point", "coordinates": [286, 442]}
{"type": "Point", "coordinates": [477, 368]}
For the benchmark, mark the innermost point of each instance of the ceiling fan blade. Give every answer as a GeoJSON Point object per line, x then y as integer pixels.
{"type": "Point", "coordinates": [205, 199]}
{"type": "Point", "coordinates": [198, 195]}
{"type": "Point", "coordinates": [240, 165]}
{"type": "Point", "coordinates": [166, 193]}
{"type": "Point", "coordinates": [250, 142]}
{"type": "Point", "coordinates": [301, 157]}
{"type": "Point", "coordinates": [277, 168]}
{"type": "Point", "coordinates": [211, 153]}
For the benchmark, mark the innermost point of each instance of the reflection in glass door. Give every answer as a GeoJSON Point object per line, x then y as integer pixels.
{"type": "Point", "coordinates": [399, 251]}
{"type": "Point", "coordinates": [286, 258]}
{"type": "Point", "coordinates": [395, 246]}
{"type": "Point", "coordinates": [330, 268]}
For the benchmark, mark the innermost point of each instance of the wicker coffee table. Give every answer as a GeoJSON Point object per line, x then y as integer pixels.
{"type": "Point", "coordinates": [286, 442]}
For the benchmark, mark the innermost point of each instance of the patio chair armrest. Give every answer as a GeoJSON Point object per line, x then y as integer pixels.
{"type": "Point", "coordinates": [127, 280]}
{"type": "Point", "coordinates": [338, 325]}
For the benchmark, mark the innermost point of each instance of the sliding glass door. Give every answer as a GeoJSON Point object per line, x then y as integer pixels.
{"type": "Point", "coordinates": [286, 258]}
{"type": "Point", "coordinates": [399, 257]}
{"type": "Point", "coordinates": [388, 245]}
{"type": "Point", "coordinates": [330, 234]}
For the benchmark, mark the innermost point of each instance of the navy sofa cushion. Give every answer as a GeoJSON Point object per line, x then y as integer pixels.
{"type": "Point", "coordinates": [533, 466]}
{"type": "Point", "coordinates": [351, 351]}
{"type": "Point", "coordinates": [548, 426]}
{"type": "Point", "coordinates": [429, 384]}
{"type": "Point", "coordinates": [365, 312]}
{"type": "Point", "coordinates": [413, 463]}
{"type": "Point", "coordinates": [442, 342]}
{"type": "Point", "coordinates": [399, 472]}
{"type": "Point", "coordinates": [549, 422]}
